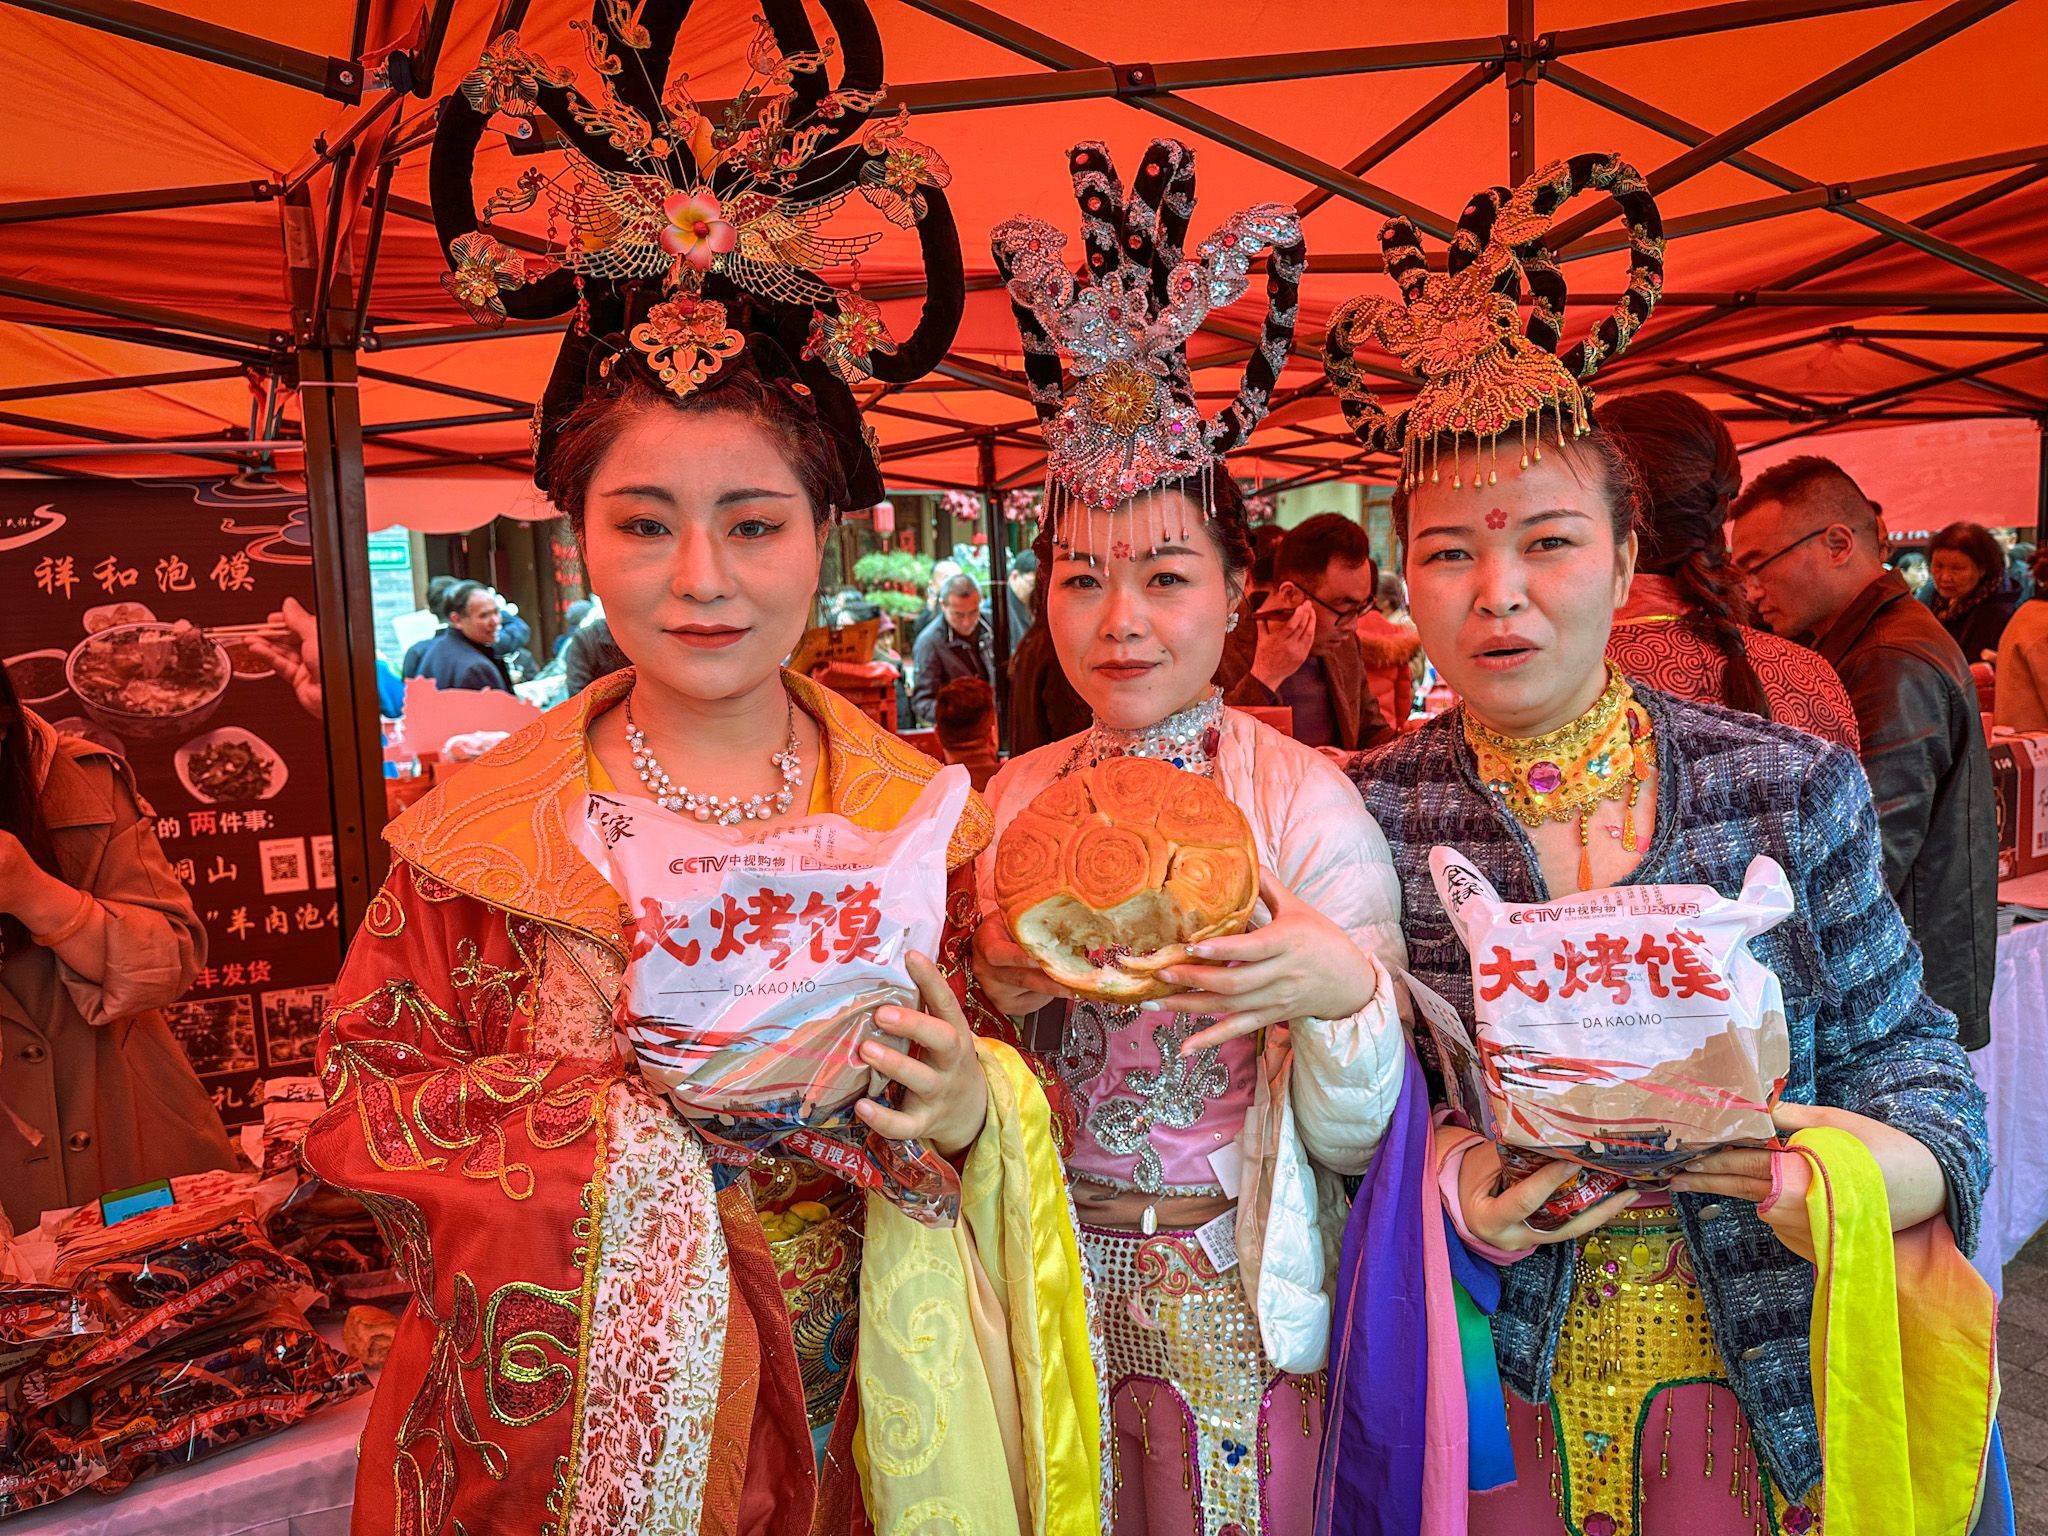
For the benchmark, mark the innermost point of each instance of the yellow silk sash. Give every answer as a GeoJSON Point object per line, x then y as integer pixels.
{"type": "Point", "coordinates": [1905, 1371]}
{"type": "Point", "coordinates": [954, 1323]}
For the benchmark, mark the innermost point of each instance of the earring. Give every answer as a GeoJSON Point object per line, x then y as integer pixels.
{"type": "Point", "coordinates": [1230, 623]}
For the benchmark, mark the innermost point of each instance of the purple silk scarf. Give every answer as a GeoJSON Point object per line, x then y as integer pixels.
{"type": "Point", "coordinates": [1369, 1481]}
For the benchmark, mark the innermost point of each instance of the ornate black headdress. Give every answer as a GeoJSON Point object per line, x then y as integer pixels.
{"type": "Point", "coordinates": [691, 242]}
{"type": "Point", "coordinates": [1126, 420]}
{"type": "Point", "coordinates": [1460, 332]}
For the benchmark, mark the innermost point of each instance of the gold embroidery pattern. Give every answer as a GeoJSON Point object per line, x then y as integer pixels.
{"type": "Point", "coordinates": [931, 1517]}
{"type": "Point", "coordinates": [929, 1336]}
{"type": "Point", "coordinates": [820, 1273]}
{"type": "Point", "coordinates": [1635, 1328]}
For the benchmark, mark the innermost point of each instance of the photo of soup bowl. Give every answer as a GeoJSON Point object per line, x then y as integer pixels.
{"type": "Point", "coordinates": [149, 681]}
{"type": "Point", "coordinates": [38, 677]}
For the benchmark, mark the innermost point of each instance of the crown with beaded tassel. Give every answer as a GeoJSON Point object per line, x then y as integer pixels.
{"type": "Point", "coordinates": [1483, 371]}
{"type": "Point", "coordinates": [1105, 350]}
{"type": "Point", "coordinates": [690, 243]}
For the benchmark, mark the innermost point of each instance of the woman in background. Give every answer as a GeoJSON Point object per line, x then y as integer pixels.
{"type": "Point", "coordinates": [2022, 671]}
{"type": "Point", "coordinates": [1975, 595]}
{"type": "Point", "coordinates": [1684, 626]}
{"type": "Point", "coordinates": [96, 935]}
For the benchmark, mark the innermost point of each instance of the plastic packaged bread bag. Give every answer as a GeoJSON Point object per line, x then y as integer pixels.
{"type": "Point", "coordinates": [760, 953]}
{"type": "Point", "coordinates": [1628, 1029]}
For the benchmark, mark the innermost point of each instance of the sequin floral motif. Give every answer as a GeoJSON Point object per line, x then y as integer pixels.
{"type": "Point", "coordinates": [1172, 1096]}
{"type": "Point", "coordinates": [483, 269]}
{"type": "Point", "coordinates": [1085, 1047]}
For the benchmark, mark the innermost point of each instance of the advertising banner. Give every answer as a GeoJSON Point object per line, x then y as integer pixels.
{"type": "Point", "coordinates": [172, 621]}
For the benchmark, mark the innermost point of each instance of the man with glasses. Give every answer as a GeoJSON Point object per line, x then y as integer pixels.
{"type": "Point", "coordinates": [1809, 546]}
{"type": "Point", "coordinates": [1303, 654]}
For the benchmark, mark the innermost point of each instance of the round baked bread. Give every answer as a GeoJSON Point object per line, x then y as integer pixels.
{"type": "Point", "coordinates": [1109, 874]}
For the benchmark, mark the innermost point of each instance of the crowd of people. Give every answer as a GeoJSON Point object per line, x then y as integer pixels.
{"type": "Point", "coordinates": [1224, 1253]}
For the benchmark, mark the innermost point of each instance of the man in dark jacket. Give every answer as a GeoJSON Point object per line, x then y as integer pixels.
{"type": "Point", "coordinates": [1298, 650]}
{"type": "Point", "coordinates": [958, 643]}
{"type": "Point", "coordinates": [1810, 546]}
{"type": "Point", "coordinates": [437, 604]}
{"type": "Point", "coordinates": [462, 655]}
{"type": "Point", "coordinates": [590, 654]}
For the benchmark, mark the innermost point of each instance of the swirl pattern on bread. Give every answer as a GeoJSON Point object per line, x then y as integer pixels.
{"type": "Point", "coordinates": [1110, 873]}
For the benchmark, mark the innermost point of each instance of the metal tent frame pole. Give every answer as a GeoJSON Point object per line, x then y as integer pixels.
{"type": "Point", "coordinates": [321, 287]}
{"type": "Point", "coordinates": [341, 79]}
{"type": "Point", "coordinates": [998, 580]}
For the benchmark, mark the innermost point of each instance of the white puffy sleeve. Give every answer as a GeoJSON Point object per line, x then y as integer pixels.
{"type": "Point", "coordinates": [1329, 851]}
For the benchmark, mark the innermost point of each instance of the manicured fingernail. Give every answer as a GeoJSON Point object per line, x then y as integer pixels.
{"type": "Point", "coordinates": [1151, 1005]}
{"type": "Point", "coordinates": [1199, 951]}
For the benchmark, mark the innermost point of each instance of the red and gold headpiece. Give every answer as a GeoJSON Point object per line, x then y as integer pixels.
{"type": "Point", "coordinates": [693, 241]}
{"type": "Point", "coordinates": [1483, 371]}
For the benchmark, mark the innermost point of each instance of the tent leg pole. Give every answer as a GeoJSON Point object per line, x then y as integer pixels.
{"type": "Point", "coordinates": [337, 510]}
{"type": "Point", "coordinates": [998, 584]}
{"type": "Point", "coordinates": [1522, 92]}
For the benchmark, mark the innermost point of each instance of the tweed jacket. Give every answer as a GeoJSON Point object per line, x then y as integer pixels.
{"type": "Point", "coordinates": [1864, 1036]}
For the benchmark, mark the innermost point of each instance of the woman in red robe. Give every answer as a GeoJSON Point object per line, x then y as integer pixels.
{"type": "Point", "coordinates": [610, 1329]}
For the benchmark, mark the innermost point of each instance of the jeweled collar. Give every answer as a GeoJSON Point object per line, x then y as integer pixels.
{"type": "Point", "coordinates": [1568, 773]}
{"type": "Point", "coordinates": [1188, 738]}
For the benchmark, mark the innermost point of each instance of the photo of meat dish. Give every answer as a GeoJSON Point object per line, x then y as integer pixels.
{"type": "Point", "coordinates": [229, 765]}
{"type": "Point", "coordinates": [156, 670]}
{"type": "Point", "coordinates": [38, 676]}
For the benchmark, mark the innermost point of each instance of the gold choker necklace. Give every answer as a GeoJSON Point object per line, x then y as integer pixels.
{"type": "Point", "coordinates": [1605, 754]}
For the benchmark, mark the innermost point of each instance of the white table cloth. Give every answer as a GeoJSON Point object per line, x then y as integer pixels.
{"type": "Point", "coordinates": [2013, 1070]}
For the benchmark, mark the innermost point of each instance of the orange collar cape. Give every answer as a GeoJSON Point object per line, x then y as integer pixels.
{"type": "Point", "coordinates": [501, 829]}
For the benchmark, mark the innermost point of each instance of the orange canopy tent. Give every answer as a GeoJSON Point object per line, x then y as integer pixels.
{"type": "Point", "coordinates": [215, 244]}
{"type": "Point", "coordinates": [195, 202]}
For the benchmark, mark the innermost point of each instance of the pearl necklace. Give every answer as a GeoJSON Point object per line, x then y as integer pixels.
{"type": "Point", "coordinates": [725, 810]}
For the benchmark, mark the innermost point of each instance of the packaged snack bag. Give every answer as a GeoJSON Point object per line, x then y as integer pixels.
{"type": "Point", "coordinates": [1628, 1029]}
{"type": "Point", "coordinates": [759, 957]}
{"type": "Point", "coordinates": [154, 1278]}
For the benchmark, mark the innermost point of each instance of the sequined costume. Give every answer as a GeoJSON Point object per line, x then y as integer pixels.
{"type": "Point", "coordinates": [1863, 1035]}
{"type": "Point", "coordinates": [1642, 1435]}
{"type": "Point", "coordinates": [604, 1334]}
{"type": "Point", "coordinates": [1217, 1169]}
